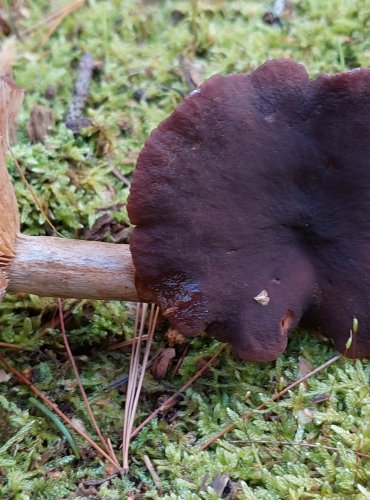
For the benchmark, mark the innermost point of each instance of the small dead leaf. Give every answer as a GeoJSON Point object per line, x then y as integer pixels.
{"type": "Point", "coordinates": [162, 362]}
{"type": "Point", "coordinates": [219, 484]}
{"type": "Point", "coordinates": [320, 398]}
{"type": "Point", "coordinates": [79, 424]}
{"type": "Point", "coordinates": [50, 93]}
{"type": "Point", "coordinates": [271, 417]}
{"type": "Point", "coordinates": [41, 121]}
{"type": "Point", "coordinates": [191, 72]}
{"type": "Point", "coordinates": [177, 16]}
{"type": "Point", "coordinates": [106, 225]}
{"type": "Point", "coordinates": [83, 492]}
{"type": "Point", "coordinates": [27, 372]}
{"type": "Point", "coordinates": [281, 9]}
{"type": "Point", "coordinates": [130, 158]}
{"type": "Point", "coordinates": [305, 416]}
{"type": "Point", "coordinates": [304, 367]}
{"type": "Point", "coordinates": [54, 474]}
{"type": "Point", "coordinates": [207, 374]}
{"type": "Point", "coordinates": [4, 377]}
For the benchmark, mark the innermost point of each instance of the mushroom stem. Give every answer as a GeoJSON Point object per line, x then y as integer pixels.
{"type": "Point", "coordinates": [58, 267]}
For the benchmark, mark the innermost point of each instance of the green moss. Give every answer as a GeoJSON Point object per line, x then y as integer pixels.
{"type": "Point", "coordinates": [139, 45]}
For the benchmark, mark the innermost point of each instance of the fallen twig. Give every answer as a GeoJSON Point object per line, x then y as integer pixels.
{"type": "Point", "coordinates": [120, 177]}
{"type": "Point", "coordinates": [75, 121]}
{"type": "Point", "coordinates": [273, 398]}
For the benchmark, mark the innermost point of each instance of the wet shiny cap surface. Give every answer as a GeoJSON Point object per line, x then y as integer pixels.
{"type": "Point", "coordinates": [252, 209]}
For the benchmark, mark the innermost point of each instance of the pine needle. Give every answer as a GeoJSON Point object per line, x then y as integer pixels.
{"type": "Point", "coordinates": [80, 386]}
{"type": "Point", "coordinates": [32, 193]}
{"type": "Point", "coordinates": [7, 345]}
{"type": "Point", "coordinates": [56, 410]}
{"type": "Point", "coordinates": [57, 422]}
{"type": "Point", "coordinates": [275, 397]}
{"type": "Point", "coordinates": [125, 343]}
{"type": "Point", "coordinates": [173, 399]}
{"type": "Point", "coordinates": [136, 373]}
{"type": "Point", "coordinates": [53, 19]}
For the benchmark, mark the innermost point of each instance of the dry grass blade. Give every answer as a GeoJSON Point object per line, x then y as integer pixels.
{"type": "Point", "coordinates": [80, 386]}
{"type": "Point", "coordinates": [273, 398]}
{"type": "Point", "coordinates": [125, 343]}
{"type": "Point", "coordinates": [173, 399]}
{"type": "Point", "coordinates": [153, 473]}
{"type": "Point", "coordinates": [53, 19]}
{"type": "Point", "coordinates": [56, 410]}
{"type": "Point", "coordinates": [136, 374]}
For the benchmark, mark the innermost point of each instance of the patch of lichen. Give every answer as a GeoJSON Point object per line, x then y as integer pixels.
{"type": "Point", "coordinates": [140, 81]}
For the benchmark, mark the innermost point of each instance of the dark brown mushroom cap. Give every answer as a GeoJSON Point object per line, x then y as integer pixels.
{"type": "Point", "coordinates": [252, 207]}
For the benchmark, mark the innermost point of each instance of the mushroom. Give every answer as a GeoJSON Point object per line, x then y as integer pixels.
{"type": "Point", "coordinates": [252, 212]}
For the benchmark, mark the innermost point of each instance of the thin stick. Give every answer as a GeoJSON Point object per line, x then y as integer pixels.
{"type": "Point", "coordinates": [173, 399]}
{"type": "Point", "coordinates": [153, 473]}
{"type": "Point", "coordinates": [273, 398]}
{"type": "Point", "coordinates": [180, 361]}
{"type": "Point", "coordinates": [125, 343]}
{"type": "Point", "coordinates": [120, 176]}
{"type": "Point", "coordinates": [75, 119]}
{"type": "Point", "coordinates": [55, 408]}
{"type": "Point", "coordinates": [79, 383]}
{"type": "Point", "coordinates": [295, 443]}
{"type": "Point", "coordinates": [6, 345]}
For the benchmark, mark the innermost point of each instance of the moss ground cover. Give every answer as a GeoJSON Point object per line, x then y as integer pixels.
{"type": "Point", "coordinates": [146, 52]}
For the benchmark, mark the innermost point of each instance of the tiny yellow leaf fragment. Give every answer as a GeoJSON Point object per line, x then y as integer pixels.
{"type": "Point", "coordinates": [262, 298]}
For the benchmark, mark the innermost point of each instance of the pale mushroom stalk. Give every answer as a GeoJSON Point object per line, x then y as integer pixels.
{"type": "Point", "coordinates": [58, 267]}
{"type": "Point", "coordinates": [49, 266]}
